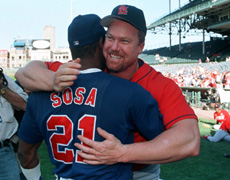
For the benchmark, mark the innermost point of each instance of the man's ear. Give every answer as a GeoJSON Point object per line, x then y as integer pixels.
{"type": "Point", "coordinates": [142, 45]}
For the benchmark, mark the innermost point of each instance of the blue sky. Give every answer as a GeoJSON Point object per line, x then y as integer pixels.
{"type": "Point", "coordinates": [26, 19]}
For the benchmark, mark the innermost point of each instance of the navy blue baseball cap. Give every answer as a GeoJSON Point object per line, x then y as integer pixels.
{"type": "Point", "coordinates": [130, 14]}
{"type": "Point", "coordinates": [84, 30]}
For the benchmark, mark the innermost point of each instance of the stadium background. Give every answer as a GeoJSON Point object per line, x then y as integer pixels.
{"type": "Point", "coordinates": [206, 17]}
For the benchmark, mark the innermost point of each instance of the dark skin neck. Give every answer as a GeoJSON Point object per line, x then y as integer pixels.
{"type": "Point", "coordinates": [97, 61]}
{"type": "Point", "coordinates": [87, 63]}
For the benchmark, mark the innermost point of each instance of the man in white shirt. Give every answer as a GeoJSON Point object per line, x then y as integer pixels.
{"type": "Point", "coordinates": [11, 96]}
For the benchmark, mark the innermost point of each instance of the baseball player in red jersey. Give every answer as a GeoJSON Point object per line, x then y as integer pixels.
{"type": "Point", "coordinates": [220, 116]}
{"type": "Point", "coordinates": [222, 134]}
{"type": "Point", "coordinates": [124, 42]}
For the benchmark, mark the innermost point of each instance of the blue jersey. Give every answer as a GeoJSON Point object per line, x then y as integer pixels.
{"type": "Point", "coordinates": [95, 100]}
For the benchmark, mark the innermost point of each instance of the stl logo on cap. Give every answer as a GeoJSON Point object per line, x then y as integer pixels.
{"type": "Point", "coordinates": [123, 10]}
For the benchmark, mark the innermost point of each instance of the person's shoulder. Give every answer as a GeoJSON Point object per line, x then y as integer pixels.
{"type": "Point", "coordinates": [149, 72]}
{"type": "Point", "coordinates": [53, 65]}
{"type": "Point", "coordinates": [8, 78]}
{"type": "Point", "coordinates": [41, 95]}
{"type": "Point", "coordinates": [225, 111]}
{"type": "Point", "coordinates": [16, 88]}
{"type": "Point", "coordinates": [102, 76]}
{"type": "Point", "coordinates": [123, 83]}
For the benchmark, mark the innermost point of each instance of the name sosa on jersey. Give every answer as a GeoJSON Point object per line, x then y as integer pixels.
{"type": "Point", "coordinates": [68, 97]}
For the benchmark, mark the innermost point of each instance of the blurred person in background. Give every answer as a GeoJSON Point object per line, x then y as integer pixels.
{"type": "Point", "coordinates": [11, 97]}
{"type": "Point", "coordinates": [223, 132]}
{"type": "Point", "coordinates": [220, 115]}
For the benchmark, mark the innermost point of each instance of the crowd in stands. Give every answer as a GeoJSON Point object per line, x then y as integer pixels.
{"type": "Point", "coordinates": [204, 75]}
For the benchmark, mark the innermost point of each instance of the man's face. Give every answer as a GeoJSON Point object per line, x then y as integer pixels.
{"type": "Point", "coordinates": [217, 109]}
{"type": "Point", "coordinates": [122, 47]}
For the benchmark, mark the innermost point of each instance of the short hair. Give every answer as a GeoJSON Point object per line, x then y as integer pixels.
{"type": "Point", "coordinates": [141, 37]}
{"type": "Point", "coordinates": [84, 51]}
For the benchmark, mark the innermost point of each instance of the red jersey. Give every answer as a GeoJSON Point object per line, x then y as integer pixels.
{"type": "Point", "coordinates": [226, 126]}
{"type": "Point", "coordinates": [222, 116]}
{"type": "Point", "coordinates": [171, 101]}
{"type": "Point", "coordinates": [53, 66]}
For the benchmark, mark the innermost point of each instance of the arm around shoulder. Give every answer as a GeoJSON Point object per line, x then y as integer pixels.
{"type": "Point", "coordinates": [181, 141]}
{"type": "Point", "coordinates": [35, 76]}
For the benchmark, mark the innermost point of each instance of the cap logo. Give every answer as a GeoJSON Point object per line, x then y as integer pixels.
{"type": "Point", "coordinates": [123, 10]}
{"type": "Point", "coordinates": [76, 43]}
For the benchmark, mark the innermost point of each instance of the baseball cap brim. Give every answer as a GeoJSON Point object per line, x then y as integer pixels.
{"type": "Point", "coordinates": [106, 21]}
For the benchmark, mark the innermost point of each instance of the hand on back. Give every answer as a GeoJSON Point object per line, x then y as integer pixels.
{"type": "Point", "coordinates": [66, 74]}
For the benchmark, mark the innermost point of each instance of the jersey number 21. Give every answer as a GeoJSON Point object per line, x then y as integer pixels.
{"type": "Point", "coordinates": [86, 124]}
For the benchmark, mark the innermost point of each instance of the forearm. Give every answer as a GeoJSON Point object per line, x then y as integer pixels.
{"type": "Point", "coordinates": [27, 154]}
{"type": "Point", "coordinates": [27, 161]}
{"type": "Point", "coordinates": [14, 99]}
{"type": "Point", "coordinates": [179, 142]}
{"type": "Point", "coordinates": [35, 76]}
{"type": "Point", "coordinates": [182, 140]}
{"type": "Point", "coordinates": [30, 166]}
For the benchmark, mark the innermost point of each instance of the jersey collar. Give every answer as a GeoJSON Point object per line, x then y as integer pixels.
{"type": "Point", "coordinates": [90, 70]}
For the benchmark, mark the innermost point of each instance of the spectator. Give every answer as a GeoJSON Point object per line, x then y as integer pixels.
{"type": "Point", "coordinates": [18, 113]}
{"type": "Point", "coordinates": [11, 97]}
{"type": "Point", "coordinates": [198, 76]}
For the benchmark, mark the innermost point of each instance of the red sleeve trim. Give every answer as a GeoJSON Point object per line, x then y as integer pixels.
{"type": "Point", "coordinates": [188, 116]}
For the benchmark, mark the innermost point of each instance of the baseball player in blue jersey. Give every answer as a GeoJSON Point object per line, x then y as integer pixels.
{"type": "Point", "coordinates": [96, 99]}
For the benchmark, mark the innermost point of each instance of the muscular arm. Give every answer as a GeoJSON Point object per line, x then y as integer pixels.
{"type": "Point", "coordinates": [35, 76]}
{"type": "Point", "coordinates": [27, 154]}
{"type": "Point", "coordinates": [29, 160]}
{"type": "Point", "coordinates": [180, 141]}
